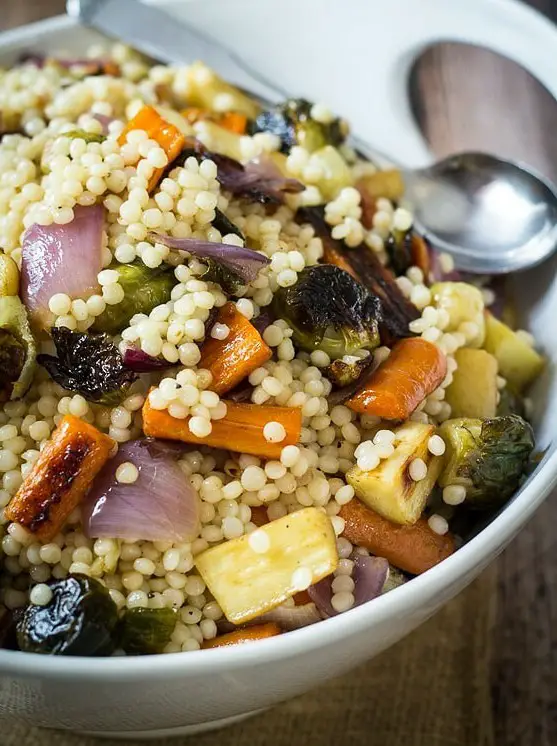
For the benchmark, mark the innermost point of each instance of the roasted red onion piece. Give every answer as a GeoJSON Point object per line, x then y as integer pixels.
{"type": "Point", "coordinates": [161, 505]}
{"type": "Point", "coordinates": [242, 262]}
{"type": "Point", "coordinates": [369, 575]}
{"type": "Point", "coordinates": [61, 259]}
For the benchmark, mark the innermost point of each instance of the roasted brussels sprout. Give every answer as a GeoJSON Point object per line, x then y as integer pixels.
{"type": "Point", "coordinates": [292, 121]}
{"type": "Point", "coordinates": [488, 457]}
{"type": "Point", "coordinates": [144, 289]}
{"type": "Point", "coordinates": [330, 311]}
{"type": "Point", "coordinates": [17, 349]}
{"type": "Point", "coordinates": [147, 631]}
{"type": "Point", "coordinates": [89, 364]}
{"type": "Point", "coordinates": [363, 264]}
{"type": "Point", "coordinates": [80, 619]}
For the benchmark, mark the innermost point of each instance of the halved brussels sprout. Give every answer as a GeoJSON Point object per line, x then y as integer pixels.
{"type": "Point", "coordinates": [330, 311]}
{"type": "Point", "coordinates": [293, 123]}
{"type": "Point", "coordinates": [18, 350]}
{"type": "Point", "coordinates": [488, 457]}
{"type": "Point", "coordinates": [80, 619]}
{"type": "Point", "coordinates": [144, 288]}
{"type": "Point", "coordinates": [147, 631]}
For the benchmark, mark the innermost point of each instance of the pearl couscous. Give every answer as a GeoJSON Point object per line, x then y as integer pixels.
{"type": "Point", "coordinates": [237, 387]}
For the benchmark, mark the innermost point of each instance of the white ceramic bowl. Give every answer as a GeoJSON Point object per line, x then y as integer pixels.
{"type": "Point", "coordinates": [353, 54]}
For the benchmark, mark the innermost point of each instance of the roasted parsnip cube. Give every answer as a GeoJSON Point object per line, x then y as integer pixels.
{"type": "Point", "coordinates": [473, 391]}
{"type": "Point", "coordinates": [253, 574]}
{"type": "Point", "coordinates": [389, 489]}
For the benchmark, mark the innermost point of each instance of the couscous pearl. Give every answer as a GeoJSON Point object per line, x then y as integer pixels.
{"type": "Point", "coordinates": [417, 469]}
{"type": "Point", "coordinates": [438, 524]}
{"type": "Point", "coordinates": [259, 541]}
{"type": "Point", "coordinates": [200, 427]}
{"type": "Point", "coordinates": [274, 432]}
{"type": "Point", "coordinates": [232, 527]}
{"type": "Point", "coordinates": [436, 445]}
{"type": "Point", "coordinates": [454, 494]}
{"type": "Point", "coordinates": [253, 478]}
{"type": "Point", "coordinates": [342, 601]}
{"type": "Point", "coordinates": [342, 583]}
{"type": "Point", "coordinates": [127, 473]}
{"type": "Point", "coordinates": [344, 494]}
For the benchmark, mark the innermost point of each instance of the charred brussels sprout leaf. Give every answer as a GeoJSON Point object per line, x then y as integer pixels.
{"type": "Point", "coordinates": [229, 281]}
{"type": "Point", "coordinates": [330, 311]}
{"type": "Point", "coordinates": [144, 288]}
{"type": "Point", "coordinates": [488, 457]}
{"type": "Point", "coordinates": [17, 349]}
{"type": "Point", "coordinates": [292, 122]}
{"type": "Point", "coordinates": [224, 225]}
{"type": "Point", "coordinates": [89, 364]}
{"type": "Point", "coordinates": [346, 371]}
{"type": "Point", "coordinates": [80, 619]}
{"type": "Point", "coordinates": [146, 631]}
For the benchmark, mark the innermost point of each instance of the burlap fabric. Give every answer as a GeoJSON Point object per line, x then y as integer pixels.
{"type": "Point", "coordinates": [432, 689]}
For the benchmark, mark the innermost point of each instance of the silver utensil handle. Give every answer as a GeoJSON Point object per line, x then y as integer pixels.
{"type": "Point", "coordinates": [158, 35]}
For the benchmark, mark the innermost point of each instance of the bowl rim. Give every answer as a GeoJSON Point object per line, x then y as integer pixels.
{"type": "Point", "coordinates": [420, 592]}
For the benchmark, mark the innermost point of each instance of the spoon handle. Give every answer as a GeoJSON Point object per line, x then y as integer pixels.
{"type": "Point", "coordinates": [162, 37]}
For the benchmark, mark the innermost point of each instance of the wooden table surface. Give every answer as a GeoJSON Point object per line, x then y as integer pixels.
{"type": "Point", "coordinates": [468, 98]}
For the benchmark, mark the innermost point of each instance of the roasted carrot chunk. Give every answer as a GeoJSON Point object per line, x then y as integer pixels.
{"type": "Point", "coordinates": [167, 135]}
{"type": "Point", "coordinates": [233, 121]}
{"type": "Point", "coordinates": [60, 478]}
{"type": "Point", "coordinates": [412, 371]}
{"type": "Point", "coordinates": [232, 359]}
{"type": "Point", "coordinates": [413, 548]}
{"type": "Point", "coordinates": [239, 636]}
{"type": "Point", "coordinates": [241, 430]}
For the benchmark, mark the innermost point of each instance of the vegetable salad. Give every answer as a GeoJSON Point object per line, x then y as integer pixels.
{"type": "Point", "coordinates": [239, 393]}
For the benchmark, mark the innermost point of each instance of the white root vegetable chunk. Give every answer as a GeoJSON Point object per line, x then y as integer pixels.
{"type": "Point", "coordinates": [257, 572]}
{"type": "Point", "coordinates": [390, 488]}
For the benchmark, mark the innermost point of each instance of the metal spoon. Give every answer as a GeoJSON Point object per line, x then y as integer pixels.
{"type": "Point", "coordinates": [492, 215]}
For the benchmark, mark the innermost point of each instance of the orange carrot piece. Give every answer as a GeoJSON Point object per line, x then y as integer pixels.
{"type": "Point", "coordinates": [412, 371]}
{"type": "Point", "coordinates": [167, 135]}
{"type": "Point", "coordinates": [240, 636]}
{"type": "Point", "coordinates": [259, 515]}
{"type": "Point", "coordinates": [234, 121]}
{"type": "Point", "coordinates": [232, 359]}
{"type": "Point", "coordinates": [414, 548]}
{"type": "Point", "coordinates": [59, 478]}
{"type": "Point", "coordinates": [332, 256]}
{"type": "Point", "coordinates": [241, 430]}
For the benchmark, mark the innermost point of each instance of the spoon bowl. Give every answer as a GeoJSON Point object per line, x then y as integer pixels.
{"type": "Point", "coordinates": [493, 216]}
